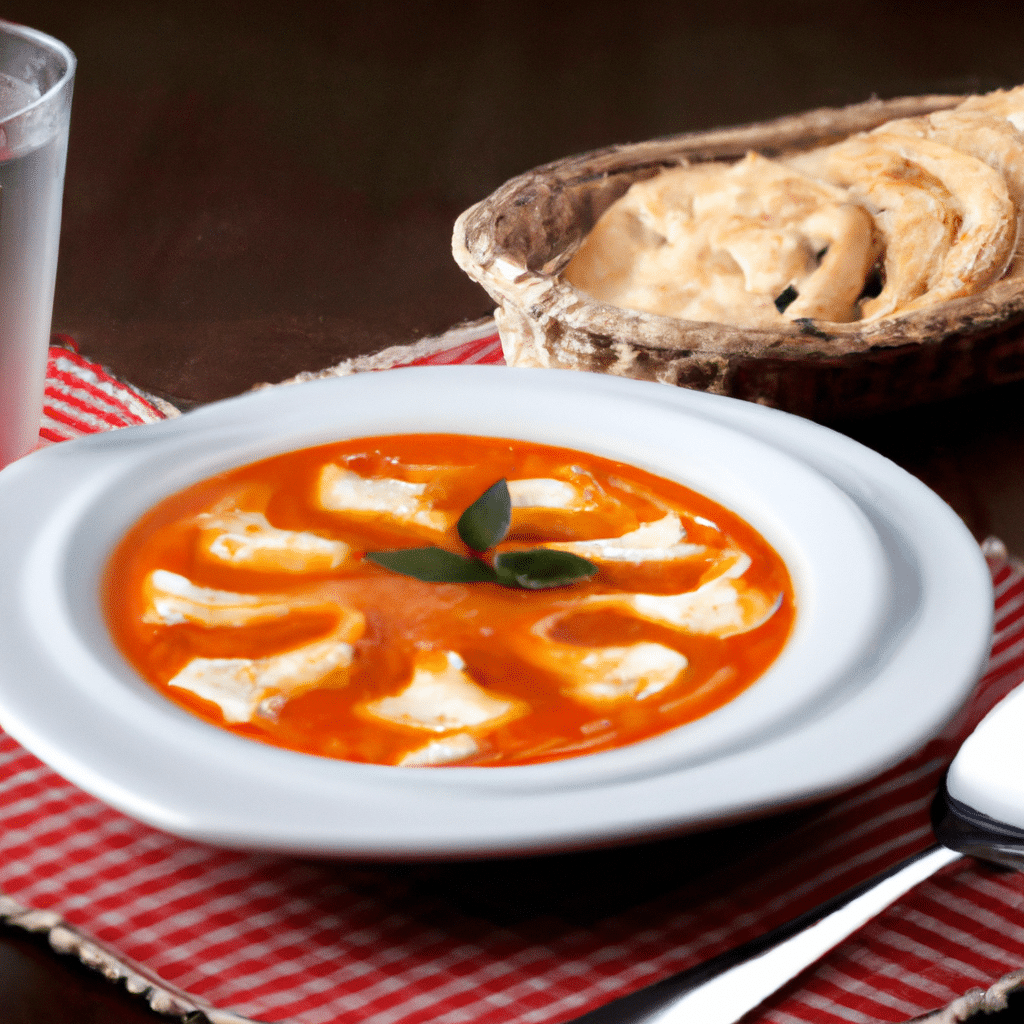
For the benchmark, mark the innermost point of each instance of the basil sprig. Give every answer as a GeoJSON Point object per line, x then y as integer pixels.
{"type": "Point", "coordinates": [485, 523]}
{"type": "Point", "coordinates": [433, 565]}
{"type": "Point", "coordinates": [540, 569]}
{"type": "Point", "coordinates": [482, 526]}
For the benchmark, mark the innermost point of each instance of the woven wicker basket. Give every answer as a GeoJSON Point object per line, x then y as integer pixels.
{"type": "Point", "coordinates": [516, 242]}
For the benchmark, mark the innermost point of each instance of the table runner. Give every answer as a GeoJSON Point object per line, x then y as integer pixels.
{"type": "Point", "coordinates": [276, 939]}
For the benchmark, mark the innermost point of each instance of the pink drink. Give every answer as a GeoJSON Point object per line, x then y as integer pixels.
{"type": "Point", "coordinates": [36, 76]}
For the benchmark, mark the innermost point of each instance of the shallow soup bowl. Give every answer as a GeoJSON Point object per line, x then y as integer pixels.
{"type": "Point", "coordinates": [893, 618]}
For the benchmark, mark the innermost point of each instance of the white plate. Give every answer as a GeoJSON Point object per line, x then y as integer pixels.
{"type": "Point", "coordinates": [894, 612]}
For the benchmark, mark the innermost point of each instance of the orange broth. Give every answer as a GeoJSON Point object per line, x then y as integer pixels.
{"type": "Point", "coordinates": [493, 629]}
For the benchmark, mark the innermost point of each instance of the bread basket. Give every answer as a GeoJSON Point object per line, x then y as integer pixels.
{"type": "Point", "coordinates": [516, 242]}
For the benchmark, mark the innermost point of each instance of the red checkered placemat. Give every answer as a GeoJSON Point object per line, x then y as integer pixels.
{"type": "Point", "coordinates": [536, 940]}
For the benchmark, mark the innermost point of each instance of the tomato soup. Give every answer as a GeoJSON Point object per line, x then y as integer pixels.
{"type": "Point", "coordinates": [263, 601]}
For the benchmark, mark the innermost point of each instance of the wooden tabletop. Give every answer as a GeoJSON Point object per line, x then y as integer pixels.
{"type": "Point", "coordinates": [256, 190]}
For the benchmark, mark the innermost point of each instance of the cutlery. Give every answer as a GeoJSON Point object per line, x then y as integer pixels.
{"type": "Point", "coordinates": [978, 812]}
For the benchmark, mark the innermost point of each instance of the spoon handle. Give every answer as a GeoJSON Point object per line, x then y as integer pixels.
{"type": "Point", "coordinates": [727, 997]}
{"type": "Point", "coordinates": [724, 989]}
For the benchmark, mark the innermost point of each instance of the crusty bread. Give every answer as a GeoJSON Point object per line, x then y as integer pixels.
{"type": "Point", "coordinates": [519, 240]}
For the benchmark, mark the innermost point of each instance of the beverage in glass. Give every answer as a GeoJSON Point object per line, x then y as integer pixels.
{"type": "Point", "coordinates": [36, 78]}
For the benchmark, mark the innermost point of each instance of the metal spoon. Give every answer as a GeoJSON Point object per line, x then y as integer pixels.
{"type": "Point", "coordinates": [978, 812]}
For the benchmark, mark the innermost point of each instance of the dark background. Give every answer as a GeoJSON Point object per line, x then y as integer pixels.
{"type": "Point", "coordinates": [254, 190]}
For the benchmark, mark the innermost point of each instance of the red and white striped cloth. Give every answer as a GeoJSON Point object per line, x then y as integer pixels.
{"type": "Point", "coordinates": [82, 398]}
{"type": "Point", "coordinates": [278, 939]}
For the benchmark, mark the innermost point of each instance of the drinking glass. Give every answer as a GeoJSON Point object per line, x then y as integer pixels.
{"type": "Point", "coordinates": [36, 78]}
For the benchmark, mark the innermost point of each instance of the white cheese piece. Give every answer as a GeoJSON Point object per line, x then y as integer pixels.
{"type": "Point", "coordinates": [247, 540]}
{"type": "Point", "coordinates": [444, 750]}
{"type": "Point", "coordinates": [238, 686]}
{"type": "Point", "coordinates": [611, 675]}
{"type": "Point", "coordinates": [341, 490]}
{"type": "Point", "coordinates": [172, 599]}
{"type": "Point", "coordinates": [723, 607]}
{"type": "Point", "coordinates": [441, 698]}
{"type": "Point", "coordinates": [544, 492]}
{"type": "Point", "coordinates": [602, 675]}
{"type": "Point", "coordinates": [658, 541]}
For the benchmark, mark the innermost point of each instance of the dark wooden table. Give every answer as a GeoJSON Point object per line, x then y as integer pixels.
{"type": "Point", "coordinates": [255, 190]}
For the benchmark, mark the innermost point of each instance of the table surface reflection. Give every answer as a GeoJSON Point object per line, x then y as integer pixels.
{"type": "Point", "coordinates": [256, 191]}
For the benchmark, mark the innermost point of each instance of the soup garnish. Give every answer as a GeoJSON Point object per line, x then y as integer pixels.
{"type": "Point", "coordinates": [426, 600]}
{"type": "Point", "coordinates": [482, 526]}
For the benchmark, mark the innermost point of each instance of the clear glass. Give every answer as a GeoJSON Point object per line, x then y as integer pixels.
{"type": "Point", "coordinates": [36, 78]}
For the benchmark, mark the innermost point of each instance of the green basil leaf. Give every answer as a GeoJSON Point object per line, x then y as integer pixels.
{"type": "Point", "coordinates": [541, 568]}
{"type": "Point", "coordinates": [487, 520]}
{"type": "Point", "coordinates": [433, 565]}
